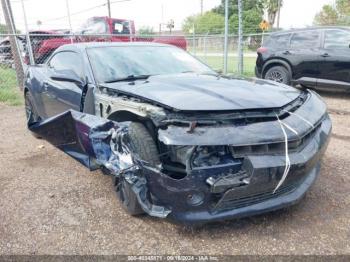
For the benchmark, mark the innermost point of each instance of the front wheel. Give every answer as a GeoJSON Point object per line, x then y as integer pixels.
{"type": "Point", "coordinates": [31, 114]}
{"type": "Point", "coordinates": [278, 74]}
{"type": "Point", "coordinates": [144, 145]}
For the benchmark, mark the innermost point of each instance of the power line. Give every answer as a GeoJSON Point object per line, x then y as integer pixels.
{"type": "Point", "coordinates": [85, 10]}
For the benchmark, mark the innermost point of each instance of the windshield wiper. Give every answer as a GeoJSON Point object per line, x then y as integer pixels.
{"type": "Point", "coordinates": [128, 78]}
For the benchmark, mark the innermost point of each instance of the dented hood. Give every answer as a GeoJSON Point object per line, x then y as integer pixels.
{"type": "Point", "coordinates": [192, 92]}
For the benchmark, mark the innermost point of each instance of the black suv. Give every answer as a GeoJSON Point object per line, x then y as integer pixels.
{"type": "Point", "coordinates": [313, 57]}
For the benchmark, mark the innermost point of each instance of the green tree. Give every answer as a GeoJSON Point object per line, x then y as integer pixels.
{"type": "Point", "coordinates": [251, 20]}
{"type": "Point", "coordinates": [327, 16]}
{"type": "Point", "coordinates": [337, 15]}
{"type": "Point", "coordinates": [343, 9]}
{"type": "Point", "coordinates": [209, 22]}
{"type": "Point", "coordinates": [272, 7]}
{"type": "Point", "coordinates": [3, 29]}
{"type": "Point", "coordinates": [258, 5]}
{"type": "Point", "coordinates": [213, 22]}
{"type": "Point", "coordinates": [253, 11]}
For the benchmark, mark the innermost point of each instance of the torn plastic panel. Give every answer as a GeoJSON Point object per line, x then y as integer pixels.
{"type": "Point", "coordinates": [96, 142]}
{"type": "Point", "coordinates": [84, 137]}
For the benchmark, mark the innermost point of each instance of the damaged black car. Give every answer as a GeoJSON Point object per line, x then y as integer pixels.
{"type": "Point", "coordinates": [180, 141]}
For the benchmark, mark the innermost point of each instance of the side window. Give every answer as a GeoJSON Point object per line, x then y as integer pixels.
{"type": "Point", "coordinates": [337, 39]}
{"type": "Point", "coordinates": [281, 40]}
{"type": "Point", "coordinates": [121, 27]}
{"type": "Point", "coordinates": [306, 39]}
{"type": "Point", "coordinates": [67, 60]}
{"type": "Point", "coordinates": [96, 26]}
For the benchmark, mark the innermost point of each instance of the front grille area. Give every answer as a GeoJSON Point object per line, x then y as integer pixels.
{"type": "Point", "coordinates": [273, 148]}
{"type": "Point", "coordinates": [226, 204]}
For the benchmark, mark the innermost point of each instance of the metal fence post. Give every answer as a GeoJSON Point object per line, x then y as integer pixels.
{"type": "Point", "coordinates": [69, 21]}
{"type": "Point", "coordinates": [15, 49]}
{"type": "Point", "coordinates": [240, 38]}
{"type": "Point", "coordinates": [29, 44]}
{"type": "Point", "coordinates": [205, 46]}
{"type": "Point", "coordinates": [194, 40]}
{"type": "Point", "coordinates": [226, 37]}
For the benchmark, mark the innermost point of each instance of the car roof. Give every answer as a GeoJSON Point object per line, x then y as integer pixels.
{"type": "Point", "coordinates": [308, 29]}
{"type": "Point", "coordinates": [86, 45]}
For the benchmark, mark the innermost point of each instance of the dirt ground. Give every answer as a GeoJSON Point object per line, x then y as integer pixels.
{"type": "Point", "coordinates": [50, 204]}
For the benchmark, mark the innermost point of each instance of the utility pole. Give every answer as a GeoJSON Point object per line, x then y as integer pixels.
{"type": "Point", "coordinates": [109, 8]}
{"type": "Point", "coordinates": [201, 7]}
{"type": "Point", "coordinates": [16, 52]}
{"type": "Point", "coordinates": [226, 37]}
{"type": "Point", "coordinates": [69, 21]}
{"type": "Point", "coordinates": [240, 37]}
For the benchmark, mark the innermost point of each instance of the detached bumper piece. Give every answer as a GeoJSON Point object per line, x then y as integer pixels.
{"type": "Point", "coordinates": [84, 137]}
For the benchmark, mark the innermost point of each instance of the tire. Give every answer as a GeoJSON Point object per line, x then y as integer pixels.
{"type": "Point", "coordinates": [30, 111]}
{"type": "Point", "coordinates": [144, 145]}
{"type": "Point", "coordinates": [278, 74]}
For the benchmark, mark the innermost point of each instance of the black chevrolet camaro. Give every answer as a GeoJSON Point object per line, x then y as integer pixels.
{"type": "Point", "coordinates": [179, 140]}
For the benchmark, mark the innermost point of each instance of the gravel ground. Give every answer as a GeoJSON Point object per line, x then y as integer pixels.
{"type": "Point", "coordinates": [50, 204]}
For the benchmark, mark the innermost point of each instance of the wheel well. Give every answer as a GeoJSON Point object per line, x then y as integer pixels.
{"type": "Point", "coordinates": [124, 116]}
{"type": "Point", "coordinates": [273, 64]}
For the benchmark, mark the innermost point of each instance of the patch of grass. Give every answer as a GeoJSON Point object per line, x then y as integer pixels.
{"type": "Point", "coordinates": [9, 91]}
{"type": "Point", "coordinates": [217, 63]}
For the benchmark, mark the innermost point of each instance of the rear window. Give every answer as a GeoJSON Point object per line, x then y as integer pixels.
{"type": "Point", "coordinates": [337, 39]}
{"type": "Point", "coordinates": [306, 39]}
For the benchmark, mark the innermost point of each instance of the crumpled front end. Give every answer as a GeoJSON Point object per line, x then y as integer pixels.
{"type": "Point", "coordinates": [210, 171]}
{"type": "Point", "coordinates": [238, 170]}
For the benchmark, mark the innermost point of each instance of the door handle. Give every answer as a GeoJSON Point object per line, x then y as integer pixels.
{"type": "Point", "coordinates": [325, 55]}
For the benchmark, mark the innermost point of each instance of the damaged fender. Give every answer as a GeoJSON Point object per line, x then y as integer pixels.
{"type": "Point", "coordinates": [96, 142]}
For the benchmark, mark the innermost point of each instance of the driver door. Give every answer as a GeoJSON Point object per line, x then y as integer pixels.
{"type": "Point", "coordinates": [59, 96]}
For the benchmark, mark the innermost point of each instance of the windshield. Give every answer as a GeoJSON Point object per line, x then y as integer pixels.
{"type": "Point", "coordinates": [118, 62]}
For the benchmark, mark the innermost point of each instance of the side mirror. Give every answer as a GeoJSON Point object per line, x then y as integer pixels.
{"type": "Point", "coordinates": [67, 76]}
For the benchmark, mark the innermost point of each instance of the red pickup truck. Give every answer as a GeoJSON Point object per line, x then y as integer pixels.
{"type": "Point", "coordinates": [96, 29]}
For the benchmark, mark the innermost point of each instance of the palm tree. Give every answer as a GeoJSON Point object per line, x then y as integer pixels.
{"type": "Point", "coordinates": [273, 8]}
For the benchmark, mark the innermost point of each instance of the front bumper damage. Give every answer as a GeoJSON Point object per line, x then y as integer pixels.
{"type": "Point", "coordinates": [241, 184]}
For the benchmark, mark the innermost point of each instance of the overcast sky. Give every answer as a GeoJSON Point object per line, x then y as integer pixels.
{"type": "Point", "coordinates": [52, 13]}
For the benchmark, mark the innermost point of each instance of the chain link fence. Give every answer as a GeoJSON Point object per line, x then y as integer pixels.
{"type": "Point", "coordinates": [210, 49]}
{"type": "Point", "coordinates": [207, 48]}
{"type": "Point", "coordinates": [10, 78]}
